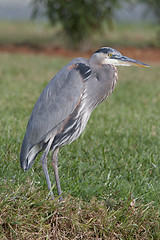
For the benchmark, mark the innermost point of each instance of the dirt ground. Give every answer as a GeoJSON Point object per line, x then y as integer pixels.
{"type": "Point", "coordinates": [146, 54]}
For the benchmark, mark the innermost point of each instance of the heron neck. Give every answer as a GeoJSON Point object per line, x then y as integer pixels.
{"type": "Point", "coordinates": [94, 63]}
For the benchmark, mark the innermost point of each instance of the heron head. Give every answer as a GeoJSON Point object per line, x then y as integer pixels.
{"type": "Point", "coordinates": [111, 56]}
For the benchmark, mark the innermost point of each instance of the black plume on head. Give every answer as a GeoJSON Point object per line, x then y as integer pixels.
{"type": "Point", "coordinates": [106, 50]}
{"type": "Point", "coordinates": [103, 50]}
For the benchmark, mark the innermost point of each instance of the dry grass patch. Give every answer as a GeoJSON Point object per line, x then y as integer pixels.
{"type": "Point", "coordinates": [34, 218]}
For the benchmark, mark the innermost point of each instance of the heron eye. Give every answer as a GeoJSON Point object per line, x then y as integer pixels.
{"type": "Point", "coordinates": [110, 54]}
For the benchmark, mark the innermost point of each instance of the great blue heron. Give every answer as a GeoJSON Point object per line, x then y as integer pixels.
{"type": "Point", "coordinates": [65, 105]}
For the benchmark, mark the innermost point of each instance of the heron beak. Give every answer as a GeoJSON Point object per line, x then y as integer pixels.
{"type": "Point", "coordinates": [130, 61]}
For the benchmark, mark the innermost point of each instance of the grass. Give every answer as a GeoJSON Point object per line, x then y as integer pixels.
{"type": "Point", "coordinates": [41, 34]}
{"type": "Point", "coordinates": [109, 176]}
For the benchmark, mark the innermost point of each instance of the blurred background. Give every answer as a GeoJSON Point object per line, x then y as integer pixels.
{"type": "Point", "coordinates": [61, 27]}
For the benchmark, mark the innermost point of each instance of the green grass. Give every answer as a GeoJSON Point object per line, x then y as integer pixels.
{"type": "Point", "coordinates": [109, 176]}
{"type": "Point", "coordinates": [41, 34]}
{"type": "Point", "coordinates": [30, 33]}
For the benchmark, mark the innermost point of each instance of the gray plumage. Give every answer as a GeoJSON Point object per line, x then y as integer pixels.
{"type": "Point", "coordinates": [65, 105]}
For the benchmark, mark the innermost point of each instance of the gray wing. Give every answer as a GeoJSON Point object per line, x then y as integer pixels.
{"type": "Point", "coordinates": [57, 101]}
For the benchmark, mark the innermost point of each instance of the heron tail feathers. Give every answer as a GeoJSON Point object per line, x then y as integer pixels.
{"type": "Point", "coordinates": [28, 156]}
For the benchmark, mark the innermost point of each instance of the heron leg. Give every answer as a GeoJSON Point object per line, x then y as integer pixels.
{"type": "Point", "coordinates": [45, 169]}
{"type": "Point", "coordinates": [55, 167]}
